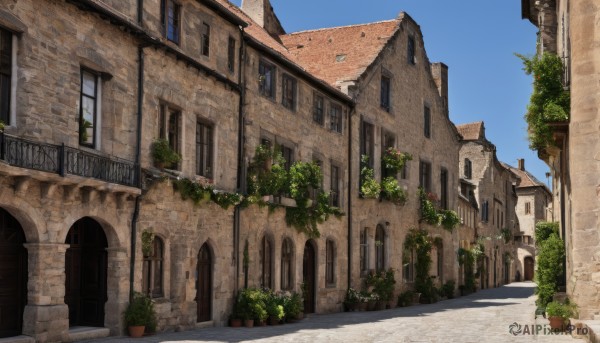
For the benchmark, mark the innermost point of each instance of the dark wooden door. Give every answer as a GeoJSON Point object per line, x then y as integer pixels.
{"type": "Point", "coordinates": [528, 269]}
{"type": "Point", "coordinates": [204, 285]}
{"type": "Point", "coordinates": [13, 275]}
{"type": "Point", "coordinates": [309, 277]}
{"type": "Point", "coordinates": [85, 268]}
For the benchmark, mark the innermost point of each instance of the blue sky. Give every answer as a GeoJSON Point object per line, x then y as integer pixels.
{"type": "Point", "coordinates": [476, 39]}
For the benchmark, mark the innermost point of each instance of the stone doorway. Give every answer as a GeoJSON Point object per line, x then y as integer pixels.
{"type": "Point", "coordinates": [204, 285]}
{"type": "Point", "coordinates": [529, 268]}
{"type": "Point", "coordinates": [86, 271]}
{"type": "Point", "coordinates": [309, 277]}
{"type": "Point", "coordinates": [13, 275]}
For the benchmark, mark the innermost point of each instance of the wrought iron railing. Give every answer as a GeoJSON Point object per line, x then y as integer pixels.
{"type": "Point", "coordinates": [64, 160]}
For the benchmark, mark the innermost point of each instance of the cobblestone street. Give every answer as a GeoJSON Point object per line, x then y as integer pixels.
{"type": "Point", "coordinates": [484, 316]}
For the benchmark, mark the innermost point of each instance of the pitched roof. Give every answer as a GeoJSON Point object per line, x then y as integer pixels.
{"type": "Point", "coordinates": [527, 180]}
{"type": "Point", "coordinates": [471, 131]}
{"type": "Point", "coordinates": [343, 53]}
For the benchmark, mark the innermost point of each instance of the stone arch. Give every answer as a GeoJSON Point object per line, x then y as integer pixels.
{"type": "Point", "coordinates": [29, 218]}
{"type": "Point", "coordinates": [109, 227]}
{"type": "Point", "coordinates": [205, 271]}
{"type": "Point", "coordinates": [287, 263]}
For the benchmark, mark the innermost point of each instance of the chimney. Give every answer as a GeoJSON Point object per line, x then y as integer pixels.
{"type": "Point", "coordinates": [439, 71]}
{"type": "Point", "coordinates": [263, 14]}
{"type": "Point", "coordinates": [521, 164]}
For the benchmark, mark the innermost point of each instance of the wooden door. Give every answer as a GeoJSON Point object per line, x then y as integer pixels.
{"type": "Point", "coordinates": [309, 277]}
{"type": "Point", "coordinates": [13, 275]}
{"type": "Point", "coordinates": [86, 270]}
{"type": "Point", "coordinates": [529, 264]}
{"type": "Point", "coordinates": [204, 285]}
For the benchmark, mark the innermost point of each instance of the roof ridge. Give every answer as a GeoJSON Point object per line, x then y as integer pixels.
{"type": "Point", "coordinates": [342, 27]}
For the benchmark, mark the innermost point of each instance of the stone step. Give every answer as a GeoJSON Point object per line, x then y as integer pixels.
{"type": "Point", "coordinates": [80, 333]}
{"type": "Point", "coordinates": [17, 339]}
{"type": "Point", "coordinates": [588, 329]}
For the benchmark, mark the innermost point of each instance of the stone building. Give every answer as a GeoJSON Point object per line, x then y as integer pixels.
{"type": "Point", "coordinates": [88, 87]}
{"type": "Point", "coordinates": [568, 29]}
{"type": "Point", "coordinates": [533, 203]}
{"type": "Point", "coordinates": [496, 197]}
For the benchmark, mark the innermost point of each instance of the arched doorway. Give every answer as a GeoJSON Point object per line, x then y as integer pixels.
{"type": "Point", "coordinates": [13, 275]}
{"type": "Point", "coordinates": [204, 285]}
{"type": "Point", "coordinates": [309, 277]}
{"type": "Point", "coordinates": [529, 267]}
{"type": "Point", "coordinates": [85, 268]}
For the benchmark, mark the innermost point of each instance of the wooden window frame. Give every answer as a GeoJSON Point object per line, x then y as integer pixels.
{"type": "Point", "coordinates": [7, 64]}
{"type": "Point", "coordinates": [205, 147]}
{"type": "Point", "coordinates": [385, 93]}
{"type": "Point", "coordinates": [380, 242]}
{"type": "Point", "coordinates": [336, 119]}
{"type": "Point", "coordinates": [318, 111]}
{"type": "Point", "coordinates": [425, 175]}
{"type": "Point", "coordinates": [334, 194]}
{"type": "Point", "coordinates": [266, 254]}
{"type": "Point", "coordinates": [168, 131]}
{"type": "Point", "coordinates": [289, 90]}
{"type": "Point", "coordinates": [153, 285]}
{"type": "Point", "coordinates": [287, 260]}
{"type": "Point", "coordinates": [231, 54]}
{"type": "Point", "coordinates": [364, 251]}
{"type": "Point", "coordinates": [95, 98]}
{"type": "Point", "coordinates": [263, 67]}
{"type": "Point", "coordinates": [166, 22]}
{"type": "Point", "coordinates": [205, 40]}
{"type": "Point", "coordinates": [330, 263]}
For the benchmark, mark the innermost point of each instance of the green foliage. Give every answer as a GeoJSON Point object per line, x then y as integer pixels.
{"type": "Point", "coordinates": [383, 284]}
{"type": "Point", "coordinates": [448, 289]}
{"type": "Point", "coordinates": [369, 187]}
{"type": "Point", "coordinates": [549, 269]}
{"type": "Point", "coordinates": [556, 309]}
{"type": "Point", "coordinates": [391, 191]}
{"type": "Point", "coordinates": [304, 176]}
{"type": "Point", "coordinates": [293, 304]}
{"type": "Point", "coordinates": [199, 193]}
{"type": "Point", "coordinates": [543, 230]}
{"type": "Point", "coordinates": [549, 102]}
{"type": "Point", "coordinates": [147, 240]}
{"type": "Point", "coordinates": [429, 213]}
{"type": "Point", "coordinates": [393, 160]}
{"type": "Point", "coordinates": [140, 311]}
{"type": "Point", "coordinates": [306, 219]}
{"type": "Point", "coordinates": [274, 305]}
{"type": "Point", "coordinates": [466, 258]}
{"type": "Point", "coordinates": [506, 235]}
{"type": "Point", "coordinates": [421, 242]}
{"type": "Point", "coordinates": [352, 296]}
{"type": "Point", "coordinates": [449, 219]}
{"type": "Point", "coordinates": [251, 305]}
{"type": "Point", "coordinates": [163, 154]}
{"type": "Point", "coordinates": [405, 298]}
{"type": "Point", "coordinates": [2, 125]}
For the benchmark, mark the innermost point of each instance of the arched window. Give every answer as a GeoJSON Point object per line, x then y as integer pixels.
{"type": "Point", "coordinates": [379, 248]}
{"type": "Point", "coordinates": [152, 271]}
{"type": "Point", "coordinates": [330, 263]}
{"type": "Point", "coordinates": [266, 260]}
{"type": "Point", "coordinates": [286, 264]}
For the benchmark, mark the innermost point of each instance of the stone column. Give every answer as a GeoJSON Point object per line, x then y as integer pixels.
{"type": "Point", "coordinates": [46, 316]}
{"type": "Point", "coordinates": [117, 289]}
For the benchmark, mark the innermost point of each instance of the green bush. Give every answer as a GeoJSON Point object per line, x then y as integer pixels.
{"type": "Point", "coordinates": [391, 191]}
{"type": "Point", "coordinates": [293, 304]}
{"type": "Point", "coordinates": [405, 298]}
{"type": "Point", "coordinates": [274, 305]}
{"type": "Point", "coordinates": [543, 230]}
{"type": "Point", "coordinates": [549, 269]}
{"type": "Point", "coordinates": [383, 284]}
{"type": "Point", "coordinates": [369, 187]}
{"type": "Point", "coordinates": [251, 304]}
{"type": "Point", "coordinates": [140, 312]}
{"type": "Point", "coordinates": [556, 309]}
{"type": "Point", "coordinates": [448, 289]}
{"type": "Point", "coordinates": [163, 154]}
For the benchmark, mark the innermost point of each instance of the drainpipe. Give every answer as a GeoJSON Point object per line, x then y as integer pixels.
{"type": "Point", "coordinates": [241, 172]}
{"type": "Point", "coordinates": [350, 196]}
{"type": "Point", "coordinates": [136, 211]}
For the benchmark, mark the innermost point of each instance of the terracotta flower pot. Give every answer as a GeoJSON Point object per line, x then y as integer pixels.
{"type": "Point", "coordinates": [273, 320]}
{"type": "Point", "coordinates": [136, 331]}
{"type": "Point", "coordinates": [235, 323]}
{"type": "Point", "coordinates": [363, 306]}
{"type": "Point", "coordinates": [249, 323]}
{"type": "Point", "coordinates": [557, 323]}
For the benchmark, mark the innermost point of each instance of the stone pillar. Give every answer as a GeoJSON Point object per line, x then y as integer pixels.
{"type": "Point", "coordinates": [117, 289]}
{"type": "Point", "coordinates": [46, 316]}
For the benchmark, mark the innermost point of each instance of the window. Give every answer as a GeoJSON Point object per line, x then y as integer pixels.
{"type": "Point", "coordinates": [204, 149]}
{"type": "Point", "coordinates": [288, 156]}
{"type": "Point", "coordinates": [152, 271]}
{"type": "Point", "coordinates": [444, 188]}
{"type": "Point", "coordinates": [330, 263]}
{"type": "Point", "coordinates": [379, 249]}
{"type": "Point", "coordinates": [335, 116]}
{"type": "Point", "coordinates": [425, 176]}
{"type": "Point", "coordinates": [334, 195]}
{"type": "Point", "coordinates": [266, 74]}
{"type": "Point", "coordinates": [468, 168]}
{"type": "Point", "coordinates": [314, 192]}
{"type": "Point", "coordinates": [171, 12]}
{"type": "Point", "coordinates": [89, 103]}
{"type": "Point", "coordinates": [387, 141]}
{"type": "Point", "coordinates": [318, 109]}
{"type": "Point", "coordinates": [527, 208]}
{"type": "Point", "coordinates": [6, 65]}
{"type": "Point", "coordinates": [205, 43]}
{"type": "Point", "coordinates": [288, 92]}
{"type": "Point", "coordinates": [385, 93]}
{"type": "Point", "coordinates": [367, 143]}
{"type": "Point", "coordinates": [411, 50]}
{"type": "Point", "coordinates": [266, 259]}
{"type": "Point", "coordinates": [364, 252]}
{"type": "Point", "coordinates": [286, 265]}
{"type": "Point", "coordinates": [440, 263]}
{"type": "Point", "coordinates": [484, 211]}
{"type": "Point", "coordinates": [427, 122]}
{"type": "Point", "coordinates": [169, 128]}
{"type": "Point", "coordinates": [231, 55]}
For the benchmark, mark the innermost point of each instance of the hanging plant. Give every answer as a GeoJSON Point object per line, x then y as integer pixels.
{"type": "Point", "coordinates": [391, 191]}
{"type": "Point", "coordinates": [369, 187]}
{"type": "Point", "coordinates": [449, 219]}
{"type": "Point", "coordinates": [147, 242]}
{"type": "Point", "coordinates": [429, 213]}
{"type": "Point", "coordinates": [199, 193]}
{"type": "Point", "coordinates": [393, 160]}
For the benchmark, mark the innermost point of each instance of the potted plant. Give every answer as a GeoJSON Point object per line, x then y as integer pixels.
{"type": "Point", "coordinates": [558, 314]}
{"type": "Point", "coordinates": [448, 289]}
{"type": "Point", "coordinates": [352, 299]}
{"type": "Point", "coordinates": [274, 308]}
{"type": "Point", "coordinates": [139, 314]}
{"type": "Point", "coordinates": [364, 300]}
{"type": "Point", "coordinates": [292, 307]}
{"type": "Point", "coordinates": [162, 153]}
{"type": "Point", "coordinates": [405, 298]}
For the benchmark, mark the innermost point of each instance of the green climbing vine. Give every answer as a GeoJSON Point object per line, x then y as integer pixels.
{"type": "Point", "coordinates": [430, 214]}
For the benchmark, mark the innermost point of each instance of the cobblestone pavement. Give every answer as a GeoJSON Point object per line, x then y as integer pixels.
{"type": "Point", "coordinates": [484, 316]}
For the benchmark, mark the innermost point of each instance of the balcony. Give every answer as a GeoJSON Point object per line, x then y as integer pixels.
{"type": "Point", "coordinates": [63, 160]}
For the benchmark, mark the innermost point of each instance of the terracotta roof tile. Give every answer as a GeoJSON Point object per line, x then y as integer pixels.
{"type": "Point", "coordinates": [340, 53]}
{"type": "Point", "coordinates": [471, 131]}
{"type": "Point", "coordinates": [526, 179]}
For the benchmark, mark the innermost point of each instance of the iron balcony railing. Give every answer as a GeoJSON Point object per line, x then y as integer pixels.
{"type": "Point", "coordinates": [64, 160]}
